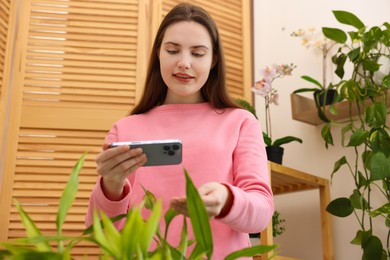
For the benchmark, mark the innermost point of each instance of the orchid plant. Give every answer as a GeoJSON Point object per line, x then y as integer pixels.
{"type": "Point", "coordinates": [316, 40]}
{"type": "Point", "coordinates": [264, 88]}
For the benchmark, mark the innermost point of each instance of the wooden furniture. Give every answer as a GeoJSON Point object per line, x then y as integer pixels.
{"type": "Point", "coordinates": [304, 109]}
{"type": "Point", "coordinates": [285, 180]}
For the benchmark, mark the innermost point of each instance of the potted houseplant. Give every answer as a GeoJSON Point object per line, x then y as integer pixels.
{"type": "Point", "coordinates": [322, 95]}
{"type": "Point", "coordinates": [366, 52]}
{"type": "Point", "coordinates": [122, 244]}
{"type": "Point", "coordinates": [265, 89]}
{"type": "Point", "coordinates": [273, 148]}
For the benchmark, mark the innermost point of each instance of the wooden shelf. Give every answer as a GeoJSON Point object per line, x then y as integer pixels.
{"type": "Point", "coordinates": [304, 109]}
{"type": "Point", "coordinates": [286, 180]}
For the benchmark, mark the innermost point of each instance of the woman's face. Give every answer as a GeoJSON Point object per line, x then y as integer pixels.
{"type": "Point", "coordinates": [186, 57]}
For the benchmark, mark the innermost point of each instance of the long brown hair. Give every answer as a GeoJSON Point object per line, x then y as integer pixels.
{"type": "Point", "coordinates": [214, 90]}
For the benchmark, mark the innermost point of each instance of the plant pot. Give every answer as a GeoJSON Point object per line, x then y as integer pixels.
{"type": "Point", "coordinates": [275, 154]}
{"type": "Point", "coordinates": [324, 97]}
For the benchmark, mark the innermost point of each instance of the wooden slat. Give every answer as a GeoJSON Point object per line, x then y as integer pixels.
{"type": "Point", "coordinates": [4, 19]}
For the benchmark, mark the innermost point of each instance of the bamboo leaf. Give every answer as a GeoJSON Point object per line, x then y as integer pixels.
{"type": "Point", "coordinates": [89, 230]}
{"type": "Point", "coordinates": [31, 228]}
{"type": "Point", "coordinates": [150, 227]}
{"type": "Point", "coordinates": [183, 238]}
{"type": "Point", "coordinates": [250, 251]}
{"type": "Point", "coordinates": [170, 214]}
{"type": "Point", "coordinates": [113, 234]}
{"type": "Point", "coordinates": [99, 234]}
{"type": "Point", "coordinates": [134, 225]}
{"type": "Point", "coordinates": [68, 197]}
{"type": "Point", "coordinates": [199, 217]}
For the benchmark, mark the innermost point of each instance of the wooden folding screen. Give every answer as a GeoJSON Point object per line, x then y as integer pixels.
{"type": "Point", "coordinates": [71, 69]}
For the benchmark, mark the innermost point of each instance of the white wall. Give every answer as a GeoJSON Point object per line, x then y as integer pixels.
{"type": "Point", "coordinates": [274, 20]}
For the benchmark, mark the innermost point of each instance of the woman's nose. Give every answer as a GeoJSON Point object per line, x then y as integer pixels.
{"type": "Point", "coordinates": [184, 62]}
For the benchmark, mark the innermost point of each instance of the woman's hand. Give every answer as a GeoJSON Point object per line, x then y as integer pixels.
{"type": "Point", "coordinates": [115, 165]}
{"type": "Point", "coordinates": [216, 197]}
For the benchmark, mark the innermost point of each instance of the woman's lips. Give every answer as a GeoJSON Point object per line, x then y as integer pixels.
{"type": "Point", "coordinates": [182, 77]}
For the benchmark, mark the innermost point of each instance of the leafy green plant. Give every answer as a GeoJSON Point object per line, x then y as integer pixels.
{"type": "Point", "coordinates": [278, 227]}
{"type": "Point", "coordinates": [365, 50]}
{"type": "Point", "coordinates": [281, 141]}
{"type": "Point", "coordinates": [123, 244]}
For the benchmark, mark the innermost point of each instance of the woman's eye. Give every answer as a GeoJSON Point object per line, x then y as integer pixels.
{"type": "Point", "coordinates": [172, 51]}
{"type": "Point", "coordinates": [197, 54]}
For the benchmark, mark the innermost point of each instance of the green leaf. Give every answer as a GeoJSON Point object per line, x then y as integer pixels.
{"type": "Point", "coordinates": [384, 209]}
{"type": "Point", "coordinates": [134, 225]}
{"type": "Point", "coordinates": [31, 228]}
{"type": "Point", "coordinates": [250, 251]}
{"type": "Point", "coordinates": [150, 227]}
{"type": "Point", "coordinates": [340, 207]}
{"type": "Point", "coordinates": [340, 62]}
{"type": "Point", "coordinates": [69, 194]}
{"type": "Point", "coordinates": [310, 79]}
{"type": "Point", "coordinates": [386, 81]}
{"type": "Point", "coordinates": [327, 134]}
{"type": "Point", "coordinates": [170, 214]}
{"type": "Point", "coordinates": [113, 234]}
{"type": "Point", "coordinates": [149, 199]}
{"type": "Point", "coordinates": [348, 18]}
{"type": "Point", "coordinates": [40, 256]}
{"type": "Point", "coordinates": [199, 217]}
{"type": "Point", "coordinates": [267, 139]}
{"type": "Point", "coordinates": [285, 140]}
{"type": "Point", "coordinates": [370, 65]}
{"type": "Point", "coordinates": [375, 114]}
{"type": "Point", "coordinates": [89, 230]}
{"type": "Point", "coordinates": [380, 166]}
{"type": "Point", "coordinates": [358, 137]}
{"type": "Point", "coordinates": [301, 90]}
{"type": "Point", "coordinates": [356, 199]}
{"type": "Point", "coordinates": [183, 238]}
{"type": "Point", "coordinates": [335, 34]}
{"type": "Point", "coordinates": [372, 248]}
{"type": "Point", "coordinates": [99, 235]}
{"type": "Point", "coordinates": [354, 54]}
{"type": "Point", "coordinates": [340, 162]}
{"type": "Point", "coordinates": [345, 130]}
{"type": "Point", "coordinates": [360, 237]}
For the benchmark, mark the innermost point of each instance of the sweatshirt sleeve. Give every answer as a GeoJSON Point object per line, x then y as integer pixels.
{"type": "Point", "coordinates": [98, 200]}
{"type": "Point", "coordinates": [253, 204]}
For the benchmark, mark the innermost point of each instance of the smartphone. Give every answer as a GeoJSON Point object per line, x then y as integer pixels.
{"type": "Point", "coordinates": [158, 152]}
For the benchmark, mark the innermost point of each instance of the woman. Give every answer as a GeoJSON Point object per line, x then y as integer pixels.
{"type": "Point", "coordinates": [185, 98]}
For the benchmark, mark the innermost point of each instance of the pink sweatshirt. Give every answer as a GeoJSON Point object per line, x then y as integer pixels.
{"type": "Point", "coordinates": [224, 146]}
